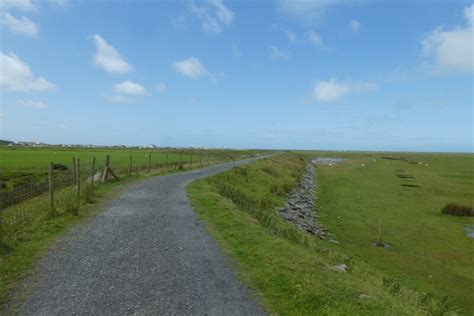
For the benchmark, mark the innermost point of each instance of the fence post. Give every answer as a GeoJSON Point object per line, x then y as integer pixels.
{"type": "Point", "coordinates": [74, 171]}
{"type": "Point", "coordinates": [166, 159]}
{"type": "Point", "coordinates": [51, 186]}
{"type": "Point", "coordinates": [93, 171]}
{"type": "Point", "coordinates": [78, 183]}
{"type": "Point", "coordinates": [380, 243]}
{"type": "Point", "coordinates": [191, 160]}
{"type": "Point", "coordinates": [130, 166]}
{"type": "Point", "coordinates": [200, 159]}
{"type": "Point", "coordinates": [106, 169]}
{"type": "Point", "coordinates": [149, 162]}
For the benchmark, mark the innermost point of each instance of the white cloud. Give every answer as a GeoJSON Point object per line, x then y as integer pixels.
{"type": "Point", "coordinates": [333, 90]}
{"type": "Point", "coordinates": [278, 54]}
{"type": "Point", "coordinates": [22, 25]}
{"type": "Point", "coordinates": [124, 92]}
{"type": "Point", "coordinates": [354, 25]}
{"type": "Point", "coordinates": [308, 10]}
{"type": "Point", "coordinates": [214, 15]}
{"type": "Point", "coordinates": [451, 50]}
{"type": "Point", "coordinates": [23, 5]}
{"type": "Point", "coordinates": [37, 105]}
{"type": "Point", "coordinates": [191, 68]}
{"type": "Point", "coordinates": [160, 87]}
{"type": "Point", "coordinates": [129, 88]}
{"type": "Point", "coordinates": [15, 75]}
{"type": "Point", "coordinates": [108, 58]}
{"type": "Point", "coordinates": [314, 38]}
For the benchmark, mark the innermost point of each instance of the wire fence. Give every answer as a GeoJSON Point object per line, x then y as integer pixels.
{"type": "Point", "coordinates": [91, 172]}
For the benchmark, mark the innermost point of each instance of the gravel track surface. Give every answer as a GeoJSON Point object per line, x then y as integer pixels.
{"type": "Point", "coordinates": [146, 253]}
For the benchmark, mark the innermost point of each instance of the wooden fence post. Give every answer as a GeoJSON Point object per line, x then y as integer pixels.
{"type": "Point", "coordinates": [74, 171]}
{"type": "Point", "coordinates": [130, 166]}
{"type": "Point", "coordinates": [166, 159]}
{"type": "Point", "coordinates": [51, 186]}
{"type": "Point", "coordinates": [93, 171]}
{"type": "Point", "coordinates": [149, 162]}
{"type": "Point", "coordinates": [180, 161]}
{"type": "Point", "coordinates": [191, 160]}
{"type": "Point", "coordinates": [380, 242]}
{"type": "Point", "coordinates": [106, 169]}
{"type": "Point", "coordinates": [78, 183]}
{"type": "Point", "coordinates": [200, 159]}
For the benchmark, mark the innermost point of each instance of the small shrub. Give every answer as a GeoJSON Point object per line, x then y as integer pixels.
{"type": "Point", "coordinates": [457, 210]}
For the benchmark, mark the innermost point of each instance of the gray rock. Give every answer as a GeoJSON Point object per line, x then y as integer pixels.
{"type": "Point", "coordinates": [342, 267]}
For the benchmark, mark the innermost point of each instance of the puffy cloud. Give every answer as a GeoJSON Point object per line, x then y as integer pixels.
{"type": "Point", "coordinates": [451, 50]}
{"type": "Point", "coordinates": [354, 25]}
{"type": "Point", "coordinates": [314, 38]}
{"type": "Point", "coordinates": [15, 75]}
{"type": "Point", "coordinates": [333, 90]}
{"type": "Point", "coordinates": [37, 105]}
{"type": "Point", "coordinates": [160, 87]}
{"type": "Point", "coordinates": [191, 68]}
{"type": "Point", "coordinates": [278, 54]}
{"type": "Point", "coordinates": [23, 5]}
{"type": "Point", "coordinates": [129, 88]}
{"type": "Point", "coordinates": [108, 58]}
{"type": "Point", "coordinates": [22, 25]}
{"type": "Point", "coordinates": [125, 91]}
{"type": "Point", "coordinates": [214, 15]}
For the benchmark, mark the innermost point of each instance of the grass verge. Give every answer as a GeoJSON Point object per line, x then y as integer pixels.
{"type": "Point", "coordinates": [291, 272]}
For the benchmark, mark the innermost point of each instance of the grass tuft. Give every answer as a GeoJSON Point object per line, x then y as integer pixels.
{"type": "Point", "coordinates": [457, 210]}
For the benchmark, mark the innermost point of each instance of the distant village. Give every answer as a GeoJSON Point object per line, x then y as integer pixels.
{"type": "Point", "coordinates": [40, 144]}
{"type": "Point", "coordinates": [9, 143]}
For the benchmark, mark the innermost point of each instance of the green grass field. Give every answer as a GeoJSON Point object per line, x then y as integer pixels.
{"type": "Point", "coordinates": [428, 270]}
{"type": "Point", "coordinates": [429, 250]}
{"type": "Point", "coordinates": [19, 164]}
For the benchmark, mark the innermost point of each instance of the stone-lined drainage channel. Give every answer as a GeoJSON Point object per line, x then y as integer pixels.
{"type": "Point", "coordinates": [299, 209]}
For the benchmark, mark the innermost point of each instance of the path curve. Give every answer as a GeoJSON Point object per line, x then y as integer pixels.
{"type": "Point", "coordinates": [146, 253]}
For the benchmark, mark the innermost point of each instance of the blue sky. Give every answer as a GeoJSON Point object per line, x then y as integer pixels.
{"type": "Point", "coordinates": [328, 74]}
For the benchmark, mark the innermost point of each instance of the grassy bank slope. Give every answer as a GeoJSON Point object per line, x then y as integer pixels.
{"type": "Point", "coordinates": [291, 272]}
{"type": "Point", "coordinates": [429, 250]}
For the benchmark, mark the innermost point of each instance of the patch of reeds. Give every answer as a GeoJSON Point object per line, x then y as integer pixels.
{"type": "Point", "coordinates": [457, 210]}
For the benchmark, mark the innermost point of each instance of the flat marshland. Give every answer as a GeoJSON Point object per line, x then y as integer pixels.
{"type": "Point", "coordinates": [428, 249]}
{"type": "Point", "coordinates": [427, 268]}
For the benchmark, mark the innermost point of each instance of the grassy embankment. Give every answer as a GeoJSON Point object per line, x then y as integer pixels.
{"type": "Point", "coordinates": [291, 272]}
{"type": "Point", "coordinates": [29, 228]}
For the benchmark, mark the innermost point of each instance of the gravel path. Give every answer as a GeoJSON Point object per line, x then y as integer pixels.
{"type": "Point", "coordinates": [147, 253]}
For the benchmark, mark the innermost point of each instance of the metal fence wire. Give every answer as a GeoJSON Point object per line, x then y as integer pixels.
{"type": "Point", "coordinates": [64, 178]}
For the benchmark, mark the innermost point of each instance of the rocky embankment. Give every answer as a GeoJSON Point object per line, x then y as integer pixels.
{"type": "Point", "coordinates": [299, 209]}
